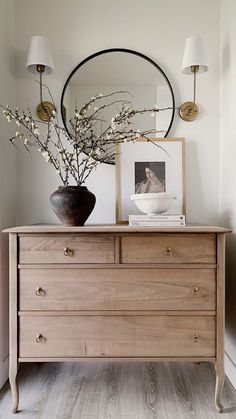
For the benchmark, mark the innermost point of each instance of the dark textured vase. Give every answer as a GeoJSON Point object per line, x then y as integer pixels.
{"type": "Point", "coordinates": [72, 204]}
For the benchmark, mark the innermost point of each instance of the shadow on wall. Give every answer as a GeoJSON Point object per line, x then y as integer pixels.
{"type": "Point", "coordinates": [230, 296]}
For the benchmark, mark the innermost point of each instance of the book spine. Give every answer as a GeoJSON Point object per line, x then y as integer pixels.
{"type": "Point", "coordinates": [157, 218]}
{"type": "Point", "coordinates": [156, 223]}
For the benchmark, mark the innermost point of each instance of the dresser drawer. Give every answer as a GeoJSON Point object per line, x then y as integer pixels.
{"type": "Point", "coordinates": [117, 289]}
{"type": "Point", "coordinates": [117, 336]}
{"type": "Point", "coordinates": [169, 248]}
{"type": "Point", "coordinates": [71, 248]}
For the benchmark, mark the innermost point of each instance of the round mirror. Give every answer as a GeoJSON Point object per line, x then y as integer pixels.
{"type": "Point", "coordinates": [136, 79]}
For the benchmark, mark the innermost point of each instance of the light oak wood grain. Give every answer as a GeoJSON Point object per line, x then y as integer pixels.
{"type": "Point", "coordinates": [117, 336]}
{"type": "Point", "coordinates": [120, 266]}
{"type": "Point", "coordinates": [117, 249]}
{"type": "Point", "coordinates": [112, 289]}
{"type": "Point", "coordinates": [113, 228]}
{"type": "Point", "coordinates": [119, 293]}
{"type": "Point", "coordinates": [184, 248]}
{"type": "Point", "coordinates": [51, 249]}
{"type": "Point", "coordinates": [197, 360]}
{"type": "Point", "coordinates": [117, 313]}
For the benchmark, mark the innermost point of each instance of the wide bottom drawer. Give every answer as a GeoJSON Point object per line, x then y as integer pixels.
{"type": "Point", "coordinates": [117, 336]}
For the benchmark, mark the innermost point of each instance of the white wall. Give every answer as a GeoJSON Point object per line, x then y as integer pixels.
{"type": "Point", "coordinates": [7, 170]}
{"type": "Point", "coordinates": [228, 172]}
{"type": "Point", "coordinates": [157, 28]}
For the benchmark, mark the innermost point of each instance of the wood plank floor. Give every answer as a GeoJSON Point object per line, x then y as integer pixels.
{"type": "Point", "coordinates": [109, 390]}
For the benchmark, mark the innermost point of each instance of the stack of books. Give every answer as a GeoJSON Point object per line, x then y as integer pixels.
{"type": "Point", "coordinates": [168, 220]}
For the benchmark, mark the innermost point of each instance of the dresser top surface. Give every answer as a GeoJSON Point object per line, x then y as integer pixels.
{"type": "Point", "coordinates": [114, 228]}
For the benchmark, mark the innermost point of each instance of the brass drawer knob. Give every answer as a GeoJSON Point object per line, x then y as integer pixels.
{"type": "Point", "coordinates": [40, 292]}
{"type": "Point", "coordinates": [168, 251]}
{"type": "Point", "coordinates": [68, 251]}
{"type": "Point", "coordinates": [196, 337]}
{"type": "Point", "coordinates": [195, 290]}
{"type": "Point", "coordinates": [40, 338]}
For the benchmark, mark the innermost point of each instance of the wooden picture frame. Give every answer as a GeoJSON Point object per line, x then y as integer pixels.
{"type": "Point", "coordinates": [157, 150]}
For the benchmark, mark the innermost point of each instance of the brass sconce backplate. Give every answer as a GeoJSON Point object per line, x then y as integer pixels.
{"type": "Point", "coordinates": [188, 111]}
{"type": "Point", "coordinates": [44, 111]}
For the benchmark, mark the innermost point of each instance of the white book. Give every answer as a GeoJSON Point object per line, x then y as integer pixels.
{"type": "Point", "coordinates": [156, 223]}
{"type": "Point", "coordinates": [157, 217]}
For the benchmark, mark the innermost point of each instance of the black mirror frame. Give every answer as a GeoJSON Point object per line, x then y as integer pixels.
{"type": "Point", "coordinates": [130, 51]}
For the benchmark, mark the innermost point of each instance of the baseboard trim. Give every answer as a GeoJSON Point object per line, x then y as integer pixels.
{"type": "Point", "coordinates": [4, 366]}
{"type": "Point", "coordinates": [230, 369]}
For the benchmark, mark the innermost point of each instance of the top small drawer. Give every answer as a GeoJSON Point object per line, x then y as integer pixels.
{"type": "Point", "coordinates": [169, 248]}
{"type": "Point", "coordinates": [69, 248]}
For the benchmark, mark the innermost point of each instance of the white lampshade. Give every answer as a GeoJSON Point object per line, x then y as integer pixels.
{"type": "Point", "coordinates": [194, 55]}
{"type": "Point", "coordinates": [39, 53]}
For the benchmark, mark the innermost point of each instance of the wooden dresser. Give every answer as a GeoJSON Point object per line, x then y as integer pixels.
{"type": "Point", "coordinates": [115, 292]}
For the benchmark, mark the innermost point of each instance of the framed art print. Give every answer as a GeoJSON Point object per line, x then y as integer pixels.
{"type": "Point", "coordinates": [151, 166]}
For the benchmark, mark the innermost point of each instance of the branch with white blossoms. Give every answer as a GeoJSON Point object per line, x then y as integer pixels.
{"type": "Point", "coordinates": [88, 124]}
{"type": "Point", "coordinates": [90, 139]}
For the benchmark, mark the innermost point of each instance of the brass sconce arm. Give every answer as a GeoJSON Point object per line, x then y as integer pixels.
{"type": "Point", "coordinates": [193, 54]}
{"type": "Point", "coordinates": [189, 111]}
{"type": "Point", "coordinates": [44, 109]}
{"type": "Point", "coordinates": [39, 52]}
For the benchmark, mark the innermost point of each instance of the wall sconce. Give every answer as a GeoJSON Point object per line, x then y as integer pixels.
{"type": "Point", "coordinates": [40, 62]}
{"type": "Point", "coordinates": [193, 63]}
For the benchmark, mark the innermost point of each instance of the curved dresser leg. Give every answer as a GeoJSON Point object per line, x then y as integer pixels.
{"type": "Point", "coordinates": [220, 378]}
{"type": "Point", "coordinates": [14, 390]}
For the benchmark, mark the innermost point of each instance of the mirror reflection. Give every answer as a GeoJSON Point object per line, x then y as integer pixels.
{"type": "Point", "coordinates": [140, 81]}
